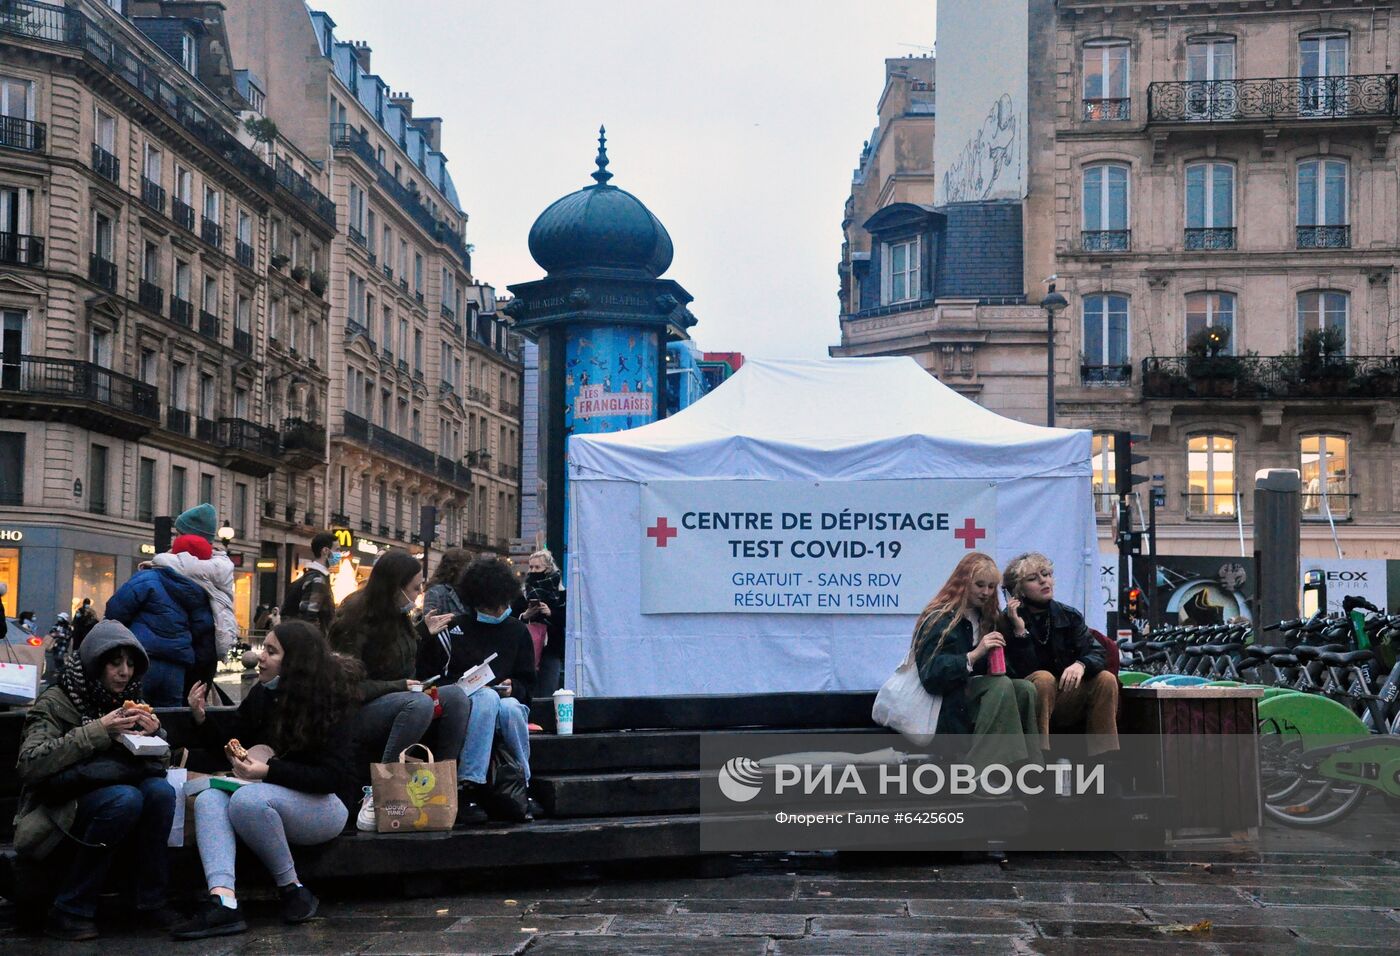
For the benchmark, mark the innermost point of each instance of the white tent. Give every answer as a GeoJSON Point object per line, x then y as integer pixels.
{"type": "Point", "coordinates": [838, 420]}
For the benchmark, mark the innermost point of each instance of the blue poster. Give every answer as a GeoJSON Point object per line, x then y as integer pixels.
{"type": "Point", "coordinates": [609, 379]}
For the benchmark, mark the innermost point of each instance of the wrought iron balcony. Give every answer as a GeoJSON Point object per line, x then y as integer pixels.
{"type": "Point", "coordinates": [1106, 374]}
{"type": "Point", "coordinates": [177, 420]}
{"type": "Point", "coordinates": [1107, 109]}
{"type": "Point", "coordinates": [1324, 237]}
{"type": "Point", "coordinates": [105, 164]}
{"type": "Point", "coordinates": [153, 194]}
{"type": "Point", "coordinates": [454, 471]}
{"type": "Point", "coordinates": [243, 252]}
{"type": "Point", "coordinates": [18, 249]}
{"type": "Point", "coordinates": [300, 188]}
{"type": "Point", "coordinates": [481, 458]}
{"type": "Point", "coordinates": [249, 448]}
{"type": "Point", "coordinates": [206, 430]}
{"type": "Point", "coordinates": [366, 525]}
{"type": "Point", "coordinates": [479, 395]}
{"type": "Point", "coordinates": [303, 443]}
{"type": "Point", "coordinates": [25, 134]}
{"type": "Point", "coordinates": [388, 271]}
{"type": "Point", "coordinates": [508, 472]}
{"type": "Point", "coordinates": [384, 531]}
{"type": "Point", "coordinates": [181, 312]}
{"type": "Point", "coordinates": [289, 514]}
{"type": "Point", "coordinates": [209, 325]}
{"type": "Point", "coordinates": [183, 214]}
{"type": "Point", "coordinates": [403, 284]}
{"type": "Point", "coordinates": [382, 439]}
{"type": "Point", "coordinates": [446, 312]}
{"type": "Point", "coordinates": [1216, 237]}
{"type": "Point", "coordinates": [418, 297]}
{"type": "Point", "coordinates": [1266, 377]}
{"type": "Point", "coordinates": [39, 388]}
{"type": "Point", "coordinates": [1106, 240]}
{"type": "Point", "coordinates": [211, 232]}
{"type": "Point", "coordinates": [355, 235]}
{"type": "Point", "coordinates": [151, 296]}
{"type": "Point", "coordinates": [103, 272]}
{"type": "Point", "coordinates": [510, 410]}
{"type": "Point", "coordinates": [340, 518]}
{"type": "Point", "coordinates": [1269, 100]}
{"type": "Point", "coordinates": [269, 508]}
{"type": "Point", "coordinates": [243, 341]}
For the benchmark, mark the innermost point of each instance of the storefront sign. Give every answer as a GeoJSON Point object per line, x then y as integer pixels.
{"type": "Point", "coordinates": [366, 546]}
{"type": "Point", "coordinates": [11, 534]}
{"type": "Point", "coordinates": [147, 549]}
{"type": "Point", "coordinates": [344, 538]}
{"type": "Point", "coordinates": [267, 564]}
{"type": "Point", "coordinates": [1363, 578]}
{"type": "Point", "coordinates": [803, 547]}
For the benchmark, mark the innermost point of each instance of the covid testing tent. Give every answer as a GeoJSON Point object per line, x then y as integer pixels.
{"type": "Point", "coordinates": [782, 534]}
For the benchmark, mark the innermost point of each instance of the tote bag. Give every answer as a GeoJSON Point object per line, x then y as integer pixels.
{"type": "Point", "coordinates": [414, 795]}
{"type": "Point", "coordinates": [903, 705]}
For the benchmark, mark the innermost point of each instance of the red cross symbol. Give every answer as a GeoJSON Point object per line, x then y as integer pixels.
{"type": "Point", "coordinates": [662, 532]}
{"type": "Point", "coordinates": [969, 534]}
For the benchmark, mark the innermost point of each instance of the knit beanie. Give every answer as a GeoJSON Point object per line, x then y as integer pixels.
{"type": "Point", "coordinates": [105, 637]}
{"type": "Point", "coordinates": [200, 520]}
{"type": "Point", "coordinates": [192, 544]}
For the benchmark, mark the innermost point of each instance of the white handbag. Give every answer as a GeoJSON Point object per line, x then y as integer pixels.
{"type": "Point", "coordinates": [903, 705]}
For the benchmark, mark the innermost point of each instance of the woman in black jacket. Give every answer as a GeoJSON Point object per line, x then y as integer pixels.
{"type": "Point", "coordinates": [294, 726]}
{"type": "Point", "coordinates": [544, 603]}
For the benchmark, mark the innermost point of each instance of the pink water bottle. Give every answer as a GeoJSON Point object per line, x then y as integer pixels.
{"type": "Point", "coordinates": [996, 661]}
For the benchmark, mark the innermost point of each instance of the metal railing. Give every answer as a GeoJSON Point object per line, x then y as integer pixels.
{"type": "Point", "coordinates": [181, 312]}
{"type": "Point", "coordinates": [103, 272]}
{"type": "Point", "coordinates": [510, 410]}
{"type": "Point", "coordinates": [1107, 109]}
{"type": "Point", "coordinates": [105, 164]}
{"type": "Point", "coordinates": [26, 134]}
{"type": "Point", "coordinates": [1262, 377]}
{"type": "Point", "coordinates": [382, 439]}
{"type": "Point", "coordinates": [298, 434]}
{"type": "Point", "coordinates": [35, 375]}
{"type": "Point", "coordinates": [151, 296]}
{"type": "Point", "coordinates": [237, 434]}
{"type": "Point", "coordinates": [208, 325]}
{"type": "Point", "coordinates": [153, 194]}
{"type": "Point", "coordinates": [508, 472]}
{"type": "Point", "coordinates": [18, 249]}
{"type": "Point", "coordinates": [243, 252]}
{"type": "Point", "coordinates": [183, 214]}
{"type": "Point", "coordinates": [1106, 240]}
{"type": "Point", "coordinates": [206, 430]}
{"type": "Point", "coordinates": [481, 458]}
{"type": "Point", "coordinates": [211, 232]}
{"type": "Point", "coordinates": [454, 471]}
{"type": "Point", "coordinates": [1324, 237]}
{"type": "Point", "coordinates": [1106, 374]}
{"type": "Point", "coordinates": [1214, 237]}
{"type": "Point", "coordinates": [1271, 99]}
{"type": "Point", "coordinates": [479, 395]}
{"type": "Point", "coordinates": [177, 420]}
{"type": "Point", "coordinates": [301, 189]}
{"type": "Point", "coordinates": [355, 235]}
{"type": "Point", "coordinates": [243, 341]}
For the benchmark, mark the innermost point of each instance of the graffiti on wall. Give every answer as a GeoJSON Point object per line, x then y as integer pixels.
{"type": "Point", "coordinates": [992, 151]}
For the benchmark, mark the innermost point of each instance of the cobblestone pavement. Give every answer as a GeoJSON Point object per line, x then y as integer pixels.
{"type": "Point", "coordinates": [824, 904]}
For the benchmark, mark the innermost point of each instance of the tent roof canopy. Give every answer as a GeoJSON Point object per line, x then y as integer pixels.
{"type": "Point", "coordinates": [838, 419]}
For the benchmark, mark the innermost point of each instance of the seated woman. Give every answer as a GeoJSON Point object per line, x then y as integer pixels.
{"type": "Point", "coordinates": [295, 725]}
{"type": "Point", "coordinates": [442, 596]}
{"type": "Point", "coordinates": [1051, 647]}
{"type": "Point", "coordinates": [952, 640]}
{"type": "Point", "coordinates": [488, 585]}
{"type": "Point", "coordinates": [78, 837]}
{"type": "Point", "coordinates": [379, 626]}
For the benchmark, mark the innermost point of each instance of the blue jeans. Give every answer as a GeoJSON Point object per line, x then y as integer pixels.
{"type": "Point", "coordinates": [164, 684]}
{"type": "Point", "coordinates": [108, 817]}
{"type": "Point", "coordinates": [493, 714]}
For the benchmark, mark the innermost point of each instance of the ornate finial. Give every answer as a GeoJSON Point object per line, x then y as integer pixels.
{"type": "Point", "coordinates": [602, 176]}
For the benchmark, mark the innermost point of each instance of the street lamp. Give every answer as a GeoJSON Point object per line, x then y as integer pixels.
{"type": "Point", "coordinates": [1052, 303]}
{"type": "Point", "coordinates": [225, 536]}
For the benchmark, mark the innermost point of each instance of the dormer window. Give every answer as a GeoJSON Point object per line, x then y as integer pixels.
{"type": "Point", "coordinates": [902, 271]}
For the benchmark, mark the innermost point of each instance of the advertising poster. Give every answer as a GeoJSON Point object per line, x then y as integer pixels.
{"type": "Point", "coordinates": [1362, 578]}
{"type": "Point", "coordinates": [802, 547]}
{"type": "Point", "coordinates": [1190, 589]}
{"type": "Point", "coordinates": [609, 379]}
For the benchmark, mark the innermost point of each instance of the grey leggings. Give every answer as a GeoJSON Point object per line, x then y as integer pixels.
{"type": "Point", "coordinates": [268, 818]}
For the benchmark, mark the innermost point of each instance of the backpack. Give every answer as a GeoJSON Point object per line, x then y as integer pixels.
{"type": "Point", "coordinates": [316, 599]}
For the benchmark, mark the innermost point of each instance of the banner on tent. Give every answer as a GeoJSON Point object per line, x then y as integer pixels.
{"type": "Point", "coordinates": [802, 547]}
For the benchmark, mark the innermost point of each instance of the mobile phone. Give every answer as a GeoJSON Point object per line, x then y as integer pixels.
{"type": "Point", "coordinates": [1007, 592]}
{"type": "Point", "coordinates": [431, 682]}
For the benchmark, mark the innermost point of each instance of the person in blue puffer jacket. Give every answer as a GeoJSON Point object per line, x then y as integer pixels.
{"type": "Point", "coordinates": [170, 615]}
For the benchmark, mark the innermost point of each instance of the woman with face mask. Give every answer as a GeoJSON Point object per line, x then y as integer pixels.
{"type": "Point", "coordinates": [543, 603]}
{"type": "Point", "coordinates": [380, 626]}
{"type": "Point", "coordinates": [299, 766]}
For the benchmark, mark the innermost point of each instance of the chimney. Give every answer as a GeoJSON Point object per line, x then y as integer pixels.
{"type": "Point", "coordinates": [432, 128]}
{"type": "Point", "coordinates": [404, 102]}
{"type": "Point", "coordinates": [362, 51]}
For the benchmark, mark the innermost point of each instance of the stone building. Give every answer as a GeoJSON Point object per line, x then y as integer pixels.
{"type": "Point", "coordinates": [424, 400]}
{"type": "Point", "coordinates": [1213, 187]}
{"type": "Point", "coordinates": [143, 234]}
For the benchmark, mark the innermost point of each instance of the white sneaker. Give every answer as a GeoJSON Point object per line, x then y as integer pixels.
{"type": "Point", "coordinates": [364, 821]}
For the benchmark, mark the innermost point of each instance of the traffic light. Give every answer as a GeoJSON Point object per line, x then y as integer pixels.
{"type": "Point", "coordinates": [1134, 602]}
{"type": "Point", "coordinates": [1124, 460]}
{"type": "Point", "coordinates": [427, 524]}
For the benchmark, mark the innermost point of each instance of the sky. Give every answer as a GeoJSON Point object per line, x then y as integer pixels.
{"type": "Point", "coordinates": [738, 123]}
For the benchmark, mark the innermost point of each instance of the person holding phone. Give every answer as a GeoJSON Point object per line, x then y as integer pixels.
{"type": "Point", "coordinates": [489, 586]}
{"type": "Point", "coordinates": [1050, 646]}
{"type": "Point", "coordinates": [954, 635]}
{"type": "Point", "coordinates": [542, 608]}
{"type": "Point", "coordinates": [381, 626]}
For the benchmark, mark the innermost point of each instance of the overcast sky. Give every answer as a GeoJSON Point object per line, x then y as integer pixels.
{"type": "Point", "coordinates": [738, 122]}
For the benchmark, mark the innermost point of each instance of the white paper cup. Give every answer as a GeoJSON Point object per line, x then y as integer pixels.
{"type": "Point", "coordinates": [563, 712]}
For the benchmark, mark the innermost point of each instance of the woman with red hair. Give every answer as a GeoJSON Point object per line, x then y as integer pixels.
{"type": "Point", "coordinates": [953, 639]}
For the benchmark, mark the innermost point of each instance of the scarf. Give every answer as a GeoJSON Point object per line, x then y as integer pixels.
{"type": "Point", "coordinates": [91, 697]}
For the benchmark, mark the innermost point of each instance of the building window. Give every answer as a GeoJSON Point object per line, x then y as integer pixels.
{"type": "Point", "coordinates": [94, 577]}
{"type": "Point", "coordinates": [1211, 476]}
{"type": "Point", "coordinates": [212, 205]}
{"type": "Point", "coordinates": [1324, 316]}
{"type": "Point", "coordinates": [16, 99]}
{"type": "Point", "coordinates": [1106, 80]}
{"type": "Point", "coordinates": [150, 361]}
{"type": "Point", "coordinates": [1322, 86]}
{"type": "Point", "coordinates": [11, 469]}
{"type": "Point", "coordinates": [102, 235]}
{"type": "Point", "coordinates": [146, 489]}
{"type": "Point", "coordinates": [902, 282]}
{"type": "Point", "coordinates": [1322, 205]}
{"type": "Point", "coordinates": [97, 479]}
{"type": "Point", "coordinates": [1210, 206]}
{"type": "Point", "coordinates": [1211, 310]}
{"type": "Point", "coordinates": [189, 53]}
{"type": "Point", "coordinates": [177, 489]}
{"type": "Point", "coordinates": [182, 284]}
{"type": "Point", "coordinates": [206, 488]}
{"type": "Point", "coordinates": [15, 208]}
{"type": "Point", "coordinates": [179, 375]}
{"type": "Point", "coordinates": [1103, 478]}
{"type": "Point", "coordinates": [101, 351]}
{"type": "Point", "coordinates": [1210, 58]}
{"type": "Point", "coordinates": [1106, 208]}
{"type": "Point", "coordinates": [1326, 475]}
{"type": "Point", "coordinates": [240, 509]}
{"type": "Point", "coordinates": [151, 168]}
{"type": "Point", "coordinates": [105, 133]}
{"type": "Point", "coordinates": [150, 263]}
{"type": "Point", "coordinates": [1106, 353]}
{"type": "Point", "coordinates": [211, 295]}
